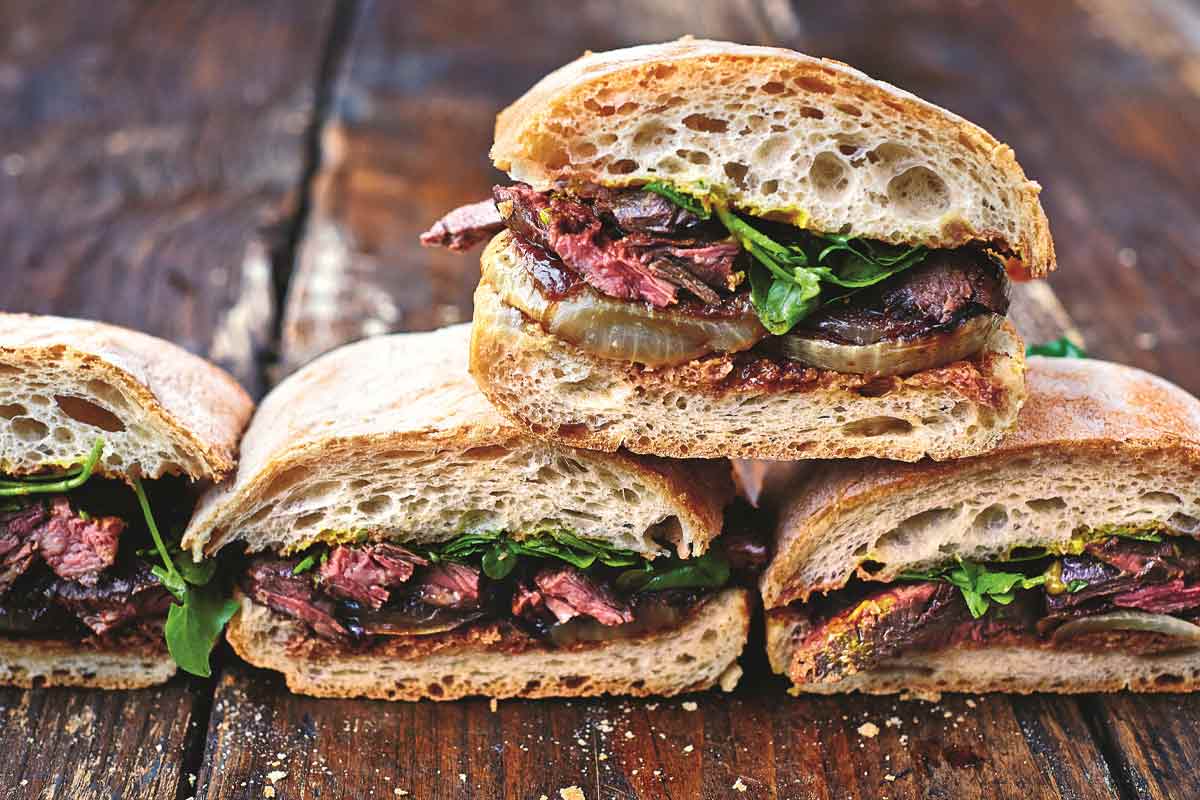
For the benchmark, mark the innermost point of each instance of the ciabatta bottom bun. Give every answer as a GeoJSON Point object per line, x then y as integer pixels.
{"type": "Point", "coordinates": [735, 406]}
{"type": "Point", "coordinates": [699, 654]}
{"type": "Point", "coordinates": [30, 663]}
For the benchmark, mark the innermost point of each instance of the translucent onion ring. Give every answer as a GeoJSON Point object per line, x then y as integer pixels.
{"type": "Point", "coordinates": [619, 329]}
{"type": "Point", "coordinates": [894, 357]}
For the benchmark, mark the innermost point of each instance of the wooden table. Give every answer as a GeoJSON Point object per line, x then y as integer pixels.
{"type": "Point", "coordinates": [248, 179]}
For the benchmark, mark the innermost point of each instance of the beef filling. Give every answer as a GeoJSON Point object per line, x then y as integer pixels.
{"type": "Point", "coordinates": [860, 628]}
{"type": "Point", "coordinates": [639, 246]}
{"type": "Point", "coordinates": [69, 574]}
{"type": "Point", "coordinates": [355, 601]}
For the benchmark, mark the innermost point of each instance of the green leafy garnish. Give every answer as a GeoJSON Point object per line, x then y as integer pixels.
{"type": "Point", "coordinates": [685, 201]}
{"type": "Point", "coordinates": [1059, 348]}
{"type": "Point", "coordinates": [500, 553]}
{"type": "Point", "coordinates": [1139, 534]}
{"type": "Point", "coordinates": [709, 571]}
{"type": "Point", "coordinates": [55, 484]}
{"type": "Point", "coordinates": [197, 619]}
{"type": "Point", "coordinates": [980, 585]}
{"type": "Point", "coordinates": [785, 280]}
{"type": "Point", "coordinates": [308, 562]}
{"type": "Point", "coordinates": [1076, 585]}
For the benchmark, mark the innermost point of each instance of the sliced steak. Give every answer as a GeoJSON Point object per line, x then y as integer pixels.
{"type": "Point", "coordinates": [115, 599]}
{"type": "Point", "coordinates": [449, 585]}
{"type": "Point", "coordinates": [568, 593]}
{"type": "Point", "coordinates": [271, 582]}
{"type": "Point", "coordinates": [368, 574]}
{"type": "Point", "coordinates": [949, 286]}
{"type": "Point", "coordinates": [1163, 598]}
{"type": "Point", "coordinates": [1148, 561]}
{"type": "Point", "coordinates": [883, 625]}
{"type": "Point", "coordinates": [16, 544]}
{"type": "Point", "coordinates": [75, 547]}
{"type": "Point", "coordinates": [637, 211]}
{"type": "Point", "coordinates": [638, 266]}
{"type": "Point", "coordinates": [465, 227]}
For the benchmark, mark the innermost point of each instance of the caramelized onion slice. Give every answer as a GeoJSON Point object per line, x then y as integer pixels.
{"type": "Point", "coordinates": [650, 617]}
{"type": "Point", "coordinates": [415, 620]}
{"type": "Point", "coordinates": [1143, 621]}
{"type": "Point", "coordinates": [620, 329]}
{"type": "Point", "coordinates": [894, 357]}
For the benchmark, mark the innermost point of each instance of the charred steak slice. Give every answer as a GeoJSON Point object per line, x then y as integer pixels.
{"type": "Point", "coordinates": [271, 582]}
{"type": "Point", "coordinates": [16, 544]}
{"type": "Point", "coordinates": [76, 547]}
{"type": "Point", "coordinates": [465, 227]}
{"type": "Point", "coordinates": [368, 574]}
{"type": "Point", "coordinates": [945, 289]}
{"type": "Point", "coordinates": [115, 599]}
{"type": "Point", "coordinates": [449, 585]}
{"type": "Point", "coordinates": [879, 627]}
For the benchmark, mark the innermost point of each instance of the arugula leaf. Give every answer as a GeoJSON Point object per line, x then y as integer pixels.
{"type": "Point", "coordinates": [684, 201]}
{"type": "Point", "coordinates": [500, 553]}
{"type": "Point", "coordinates": [192, 628]}
{"type": "Point", "coordinates": [1076, 585]}
{"type": "Point", "coordinates": [55, 484]}
{"type": "Point", "coordinates": [499, 562]}
{"type": "Point", "coordinates": [197, 618]}
{"type": "Point", "coordinates": [980, 585]}
{"type": "Point", "coordinates": [1141, 535]}
{"type": "Point", "coordinates": [1059, 348]}
{"type": "Point", "coordinates": [785, 282]}
{"type": "Point", "coordinates": [709, 571]}
{"type": "Point", "coordinates": [308, 562]}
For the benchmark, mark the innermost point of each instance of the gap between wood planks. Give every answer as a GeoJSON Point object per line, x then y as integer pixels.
{"type": "Point", "coordinates": [283, 259]}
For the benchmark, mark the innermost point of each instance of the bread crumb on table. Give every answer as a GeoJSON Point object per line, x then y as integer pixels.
{"type": "Point", "coordinates": [738, 785]}
{"type": "Point", "coordinates": [868, 730]}
{"type": "Point", "coordinates": [571, 793]}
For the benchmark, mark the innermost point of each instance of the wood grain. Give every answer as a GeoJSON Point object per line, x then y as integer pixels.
{"type": "Point", "coordinates": [85, 745]}
{"type": "Point", "coordinates": [149, 150]}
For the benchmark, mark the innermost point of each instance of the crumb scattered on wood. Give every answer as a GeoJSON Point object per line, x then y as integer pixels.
{"type": "Point", "coordinates": [739, 785]}
{"type": "Point", "coordinates": [868, 730]}
{"type": "Point", "coordinates": [571, 793]}
{"type": "Point", "coordinates": [690, 706]}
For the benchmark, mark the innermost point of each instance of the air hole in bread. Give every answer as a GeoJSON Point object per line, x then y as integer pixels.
{"type": "Point", "coordinates": [63, 435]}
{"type": "Point", "coordinates": [770, 187]}
{"type": "Point", "coordinates": [808, 112]}
{"type": "Point", "coordinates": [89, 413]}
{"type": "Point", "coordinates": [877, 426]}
{"type": "Point", "coordinates": [1046, 504]}
{"type": "Point", "coordinates": [492, 453]}
{"type": "Point", "coordinates": [287, 479]}
{"type": "Point", "coordinates": [375, 505]}
{"type": "Point", "coordinates": [1168, 680]}
{"type": "Point", "coordinates": [11, 410]}
{"type": "Point", "coordinates": [773, 87]}
{"type": "Point", "coordinates": [828, 176]}
{"type": "Point", "coordinates": [8, 369]}
{"type": "Point", "coordinates": [623, 167]}
{"type": "Point", "coordinates": [919, 192]}
{"type": "Point", "coordinates": [28, 429]}
{"type": "Point", "coordinates": [736, 172]}
{"type": "Point", "coordinates": [876, 387]}
{"type": "Point", "coordinates": [815, 85]}
{"type": "Point", "coordinates": [1165, 498]}
{"type": "Point", "coordinates": [705, 123]}
{"type": "Point", "coordinates": [573, 681]}
{"type": "Point", "coordinates": [309, 520]}
{"type": "Point", "coordinates": [1184, 523]}
{"type": "Point", "coordinates": [870, 567]}
{"type": "Point", "coordinates": [916, 527]}
{"type": "Point", "coordinates": [993, 518]}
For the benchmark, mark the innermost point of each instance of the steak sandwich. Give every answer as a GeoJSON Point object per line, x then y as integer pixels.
{"type": "Point", "coordinates": [404, 541]}
{"type": "Point", "coordinates": [1065, 560]}
{"type": "Point", "coordinates": [106, 437]}
{"type": "Point", "coordinates": [713, 250]}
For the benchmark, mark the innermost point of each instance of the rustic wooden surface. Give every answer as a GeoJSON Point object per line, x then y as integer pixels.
{"type": "Point", "coordinates": [248, 179]}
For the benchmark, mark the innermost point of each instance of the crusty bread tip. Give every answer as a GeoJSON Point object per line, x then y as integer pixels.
{"type": "Point", "coordinates": [160, 409]}
{"type": "Point", "coordinates": [35, 662]}
{"type": "Point", "coordinates": [390, 436]}
{"type": "Point", "coordinates": [778, 133]}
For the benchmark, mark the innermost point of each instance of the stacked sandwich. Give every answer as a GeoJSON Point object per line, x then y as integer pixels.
{"type": "Point", "coordinates": [706, 251]}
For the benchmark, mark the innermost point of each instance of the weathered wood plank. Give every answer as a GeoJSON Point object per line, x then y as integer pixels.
{"type": "Point", "coordinates": [79, 745]}
{"type": "Point", "coordinates": [1151, 742]}
{"type": "Point", "coordinates": [146, 151]}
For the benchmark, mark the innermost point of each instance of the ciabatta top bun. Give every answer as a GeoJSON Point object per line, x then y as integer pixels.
{"type": "Point", "coordinates": [835, 151]}
{"type": "Point", "coordinates": [160, 409]}
{"type": "Point", "coordinates": [390, 436]}
{"type": "Point", "coordinates": [1096, 445]}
